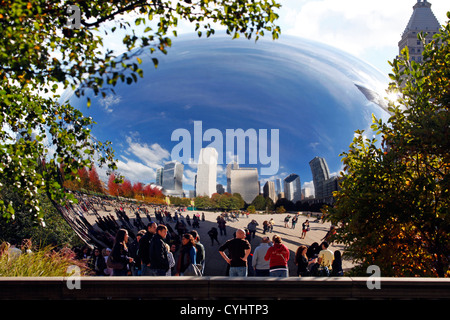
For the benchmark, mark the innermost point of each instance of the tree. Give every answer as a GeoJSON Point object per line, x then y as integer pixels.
{"type": "Point", "coordinates": [281, 209]}
{"type": "Point", "coordinates": [42, 52]}
{"type": "Point", "coordinates": [95, 184]}
{"type": "Point", "coordinates": [393, 209]}
{"type": "Point", "coordinates": [237, 202]}
{"type": "Point", "coordinates": [113, 186]}
{"type": "Point", "coordinates": [259, 203]}
{"type": "Point", "coordinates": [126, 189]}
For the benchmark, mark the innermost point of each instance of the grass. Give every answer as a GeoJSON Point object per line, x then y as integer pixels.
{"type": "Point", "coordinates": [43, 263]}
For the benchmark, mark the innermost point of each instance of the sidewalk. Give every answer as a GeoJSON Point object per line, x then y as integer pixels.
{"type": "Point", "coordinates": [216, 266]}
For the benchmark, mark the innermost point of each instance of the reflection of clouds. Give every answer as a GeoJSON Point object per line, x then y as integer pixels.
{"type": "Point", "coordinates": [108, 101]}
{"type": "Point", "coordinates": [189, 177]}
{"type": "Point", "coordinates": [148, 159]}
{"type": "Point", "coordinates": [135, 171]}
{"type": "Point", "coordinates": [152, 155]}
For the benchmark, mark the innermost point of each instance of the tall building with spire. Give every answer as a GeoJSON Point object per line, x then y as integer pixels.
{"type": "Point", "coordinates": [422, 20]}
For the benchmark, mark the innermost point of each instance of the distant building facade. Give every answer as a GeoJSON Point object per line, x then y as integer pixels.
{"type": "Point", "coordinates": [422, 20]}
{"type": "Point", "coordinates": [278, 189]}
{"type": "Point", "coordinates": [245, 182]}
{"type": "Point", "coordinates": [159, 176]}
{"type": "Point", "coordinates": [292, 188]}
{"type": "Point", "coordinates": [231, 166]}
{"type": "Point", "coordinates": [269, 191]}
{"type": "Point", "coordinates": [172, 181]}
{"type": "Point", "coordinates": [206, 184]}
{"type": "Point", "coordinates": [320, 173]}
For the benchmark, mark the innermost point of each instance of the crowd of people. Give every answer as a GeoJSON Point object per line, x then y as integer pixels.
{"type": "Point", "coordinates": [159, 251]}
{"type": "Point", "coordinates": [169, 245]}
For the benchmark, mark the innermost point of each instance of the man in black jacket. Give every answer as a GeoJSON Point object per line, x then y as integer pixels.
{"type": "Point", "coordinates": [144, 245]}
{"type": "Point", "coordinates": [159, 261]}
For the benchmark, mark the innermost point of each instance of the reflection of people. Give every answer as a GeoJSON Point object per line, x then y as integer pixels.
{"type": "Point", "coordinates": [286, 221]}
{"type": "Point", "coordinates": [238, 249]}
{"type": "Point", "coordinates": [305, 228]}
{"type": "Point", "coordinates": [278, 256]}
{"type": "Point", "coordinates": [213, 235]}
{"type": "Point", "coordinates": [252, 228]}
{"type": "Point", "coordinates": [222, 226]}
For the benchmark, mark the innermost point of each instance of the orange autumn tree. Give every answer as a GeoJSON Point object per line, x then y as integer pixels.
{"type": "Point", "coordinates": [393, 209]}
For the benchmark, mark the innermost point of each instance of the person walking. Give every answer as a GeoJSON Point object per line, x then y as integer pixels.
{"type": "Point", "coordinates": [252, 228]}
{"type": "Point", "coordinates": [305, 228]}
{"type": "Point", "coordinates": [158, 253]}
{"type": "Point", "coordinates": [294, 221]}
{"type": "Point", "coordinates": [278, 256]}
{"type": "Point", "coordinates": [221, 223]}
{"type": "Point", "coordinates": [271, 224]}
{"type": "Point", "coordinates": [238, 250]}
{"type": "Point", "coordinates": [262, 267]}
{"type": "Point", "coordinates": [265, 226]}
{"type": "Point", "coordinates": [213, 235]}
{"type": "Point", "coordinates": [286, 221]}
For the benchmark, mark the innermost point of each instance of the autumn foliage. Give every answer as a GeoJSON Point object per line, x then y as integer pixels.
{"type": "Point", "coordinates": [87, 180]}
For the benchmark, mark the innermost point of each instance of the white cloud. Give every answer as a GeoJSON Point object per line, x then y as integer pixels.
{"type": "Point", "coordinates": [153, 156]}
{"type": "Point", "coordinates": [135, 171]}
{"type": "Point", "coordinates": [352, 25]}
{"type": "Point", "coordinates": [189, 177]}
{"type": "Point", "coordinates": [147, 158]}
{"type": "Point", "coordinates": [108, 101]}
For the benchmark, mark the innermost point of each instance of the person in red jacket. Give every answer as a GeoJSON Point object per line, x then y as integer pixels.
{"type": "Point", "coordinates": [278, 257]}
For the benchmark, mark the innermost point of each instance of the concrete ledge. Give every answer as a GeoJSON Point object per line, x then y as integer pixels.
{"type": "Point", "coordinates": [213, 288]}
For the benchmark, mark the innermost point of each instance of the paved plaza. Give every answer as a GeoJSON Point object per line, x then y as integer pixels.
{"type": "Point", "coordinates": [216, 266]}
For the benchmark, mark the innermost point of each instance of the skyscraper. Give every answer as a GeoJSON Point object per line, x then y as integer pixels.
{"type": "Point", "coordinates": [231, 166]}
{"type": "Point", "coordinates": [159, 176]}
{"type": "Point", "coordinates": [292, 188]}
{"type": "Point", "coordinates": [245, 182]}
{"type": "Point", "coordinates": [173, 176]}
{"type": "Point", "coordinates": [269, 191]}
{"type": "Point", "coordinates": [278, 186]}
{"type": "Point", "coordinates": [320, 173]}
{"type": "Point", "coordinates": [207, 172]}
{"type": "Point", "coordinates": [422, 20]}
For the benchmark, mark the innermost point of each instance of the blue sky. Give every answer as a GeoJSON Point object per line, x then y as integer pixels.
{"type": "Point", "coordinates": [369, 30]}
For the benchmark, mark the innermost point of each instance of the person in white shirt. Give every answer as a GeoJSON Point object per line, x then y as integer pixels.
{"type": "Point", "coordinates": [262, 267]}
{"type": "Point", "coordinates": [326, 256]}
